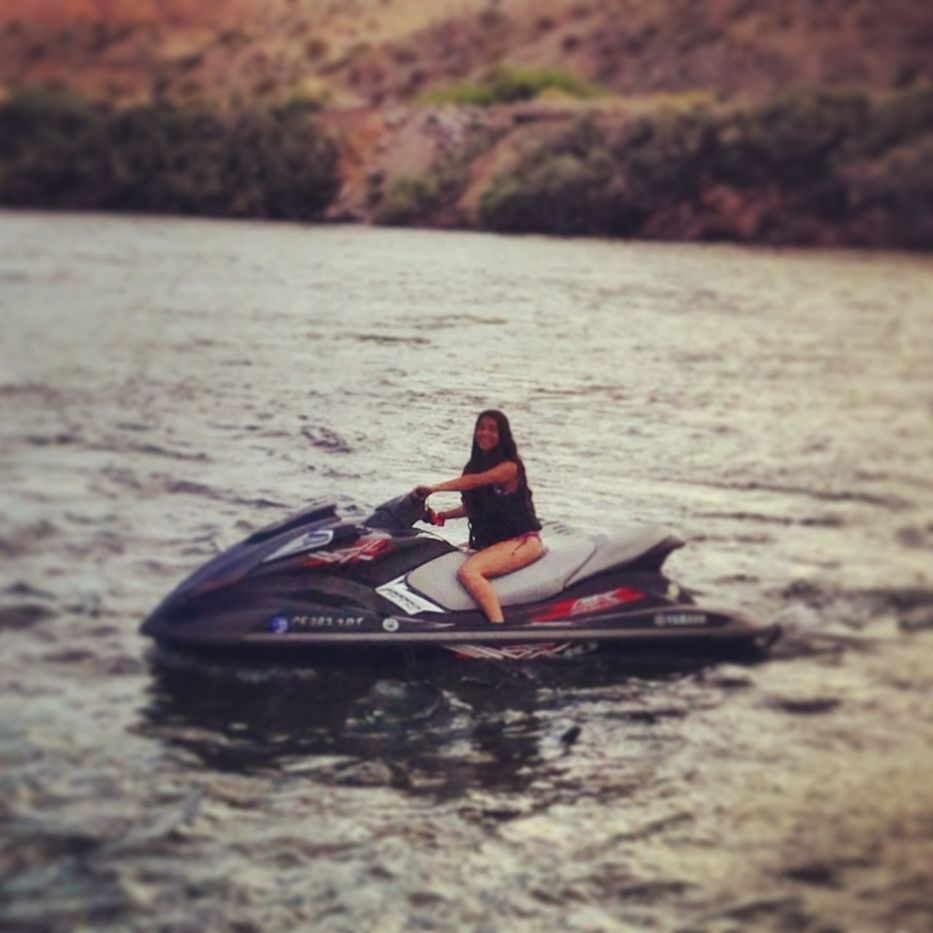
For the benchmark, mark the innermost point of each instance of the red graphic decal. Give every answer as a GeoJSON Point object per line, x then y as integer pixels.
{"type": "Point", "coordinates": [366, 550]}
{"type": "Point", "coordinates": [588, 605]}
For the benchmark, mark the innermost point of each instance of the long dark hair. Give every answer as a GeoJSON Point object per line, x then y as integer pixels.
{"type": "Point", "coordinates": [506, 449]}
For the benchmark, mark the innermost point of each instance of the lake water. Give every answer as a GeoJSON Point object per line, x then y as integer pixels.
{"type": "Point", "coordinates": [168, 385]}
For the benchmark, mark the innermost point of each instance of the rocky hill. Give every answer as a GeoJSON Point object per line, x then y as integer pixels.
{"type": "Point", "coordinates": [371, 52]}
{"type": "Point", "coordinates": [379, 72]}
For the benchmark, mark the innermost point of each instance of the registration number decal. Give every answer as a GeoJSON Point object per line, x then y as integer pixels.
{"type": "Point", "coordinates": [307, 623]}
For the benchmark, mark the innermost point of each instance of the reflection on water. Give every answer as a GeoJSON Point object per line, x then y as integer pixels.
{"type": "Point", "coordinates": [436, 728]}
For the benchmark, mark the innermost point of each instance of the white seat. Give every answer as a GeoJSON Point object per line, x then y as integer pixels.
{"type": "Point", "coordinates": [569, 558]}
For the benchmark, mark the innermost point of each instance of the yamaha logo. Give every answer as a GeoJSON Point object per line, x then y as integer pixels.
{"type": "Point", "coordinates": [666, 619]}
{"type": "Point", "coordinates": [390, 624]}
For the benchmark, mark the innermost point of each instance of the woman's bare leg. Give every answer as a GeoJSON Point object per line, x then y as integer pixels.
{"type": "Point", "coordinates": [494, 561]}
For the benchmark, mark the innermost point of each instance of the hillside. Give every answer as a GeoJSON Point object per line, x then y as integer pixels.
{"type": "Point", "coordinates": [370, 52]}
{"type": "Point", "coordinates": [803, 121]}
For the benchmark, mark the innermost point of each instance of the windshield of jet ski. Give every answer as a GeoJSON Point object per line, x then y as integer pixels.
{"type": "Point", "coordinates": [398, 513]}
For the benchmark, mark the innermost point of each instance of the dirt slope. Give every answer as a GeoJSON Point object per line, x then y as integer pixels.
{"type": "Point", "coordinates": [376, 51]}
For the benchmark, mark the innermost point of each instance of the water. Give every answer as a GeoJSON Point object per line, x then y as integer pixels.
{"type": "Point", "coordinates": [169, 385]}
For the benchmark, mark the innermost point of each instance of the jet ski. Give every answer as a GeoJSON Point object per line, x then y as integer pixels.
{"type": "Point", "coordinates": [324, 581]}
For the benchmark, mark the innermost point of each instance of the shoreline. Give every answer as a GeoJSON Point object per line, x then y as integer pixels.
{"type": "Point", "coordinates": [815, 168]}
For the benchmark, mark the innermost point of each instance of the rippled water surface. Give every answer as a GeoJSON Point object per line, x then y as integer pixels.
{"type": "Point", "coordinates": [169, 385]}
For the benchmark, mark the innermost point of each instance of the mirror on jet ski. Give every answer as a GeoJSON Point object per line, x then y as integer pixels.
{"type": "Point", "coordinates": [400, 512]}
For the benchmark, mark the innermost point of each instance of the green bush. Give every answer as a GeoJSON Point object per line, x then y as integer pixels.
{"type": "Point", "coordinates": [843, 159]}
{"type": "Point", "coordinates": [57, 151]}
{"type": "Point", "coordinates": [896, 192]}
{"type": "Point", "coordinates": [407, 201]}
{"type": "Point", "coordinates": [562, 194]}
{"type": "Point", "coordinates": [509, 85]}
{"type": "Point", "coordinates": [660, 157]}
{"type": "Point", "coordinates": [569, 185]}
{"type": "Point", "coordinates": [51, 146]}
{"type": "Point", "coordinates": [894, 118]}
{"type": "Point", "coordinates": [788, 140]}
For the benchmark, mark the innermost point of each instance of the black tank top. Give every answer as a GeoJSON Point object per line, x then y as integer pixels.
{"type": "Point", "coordinates": [496, 515]}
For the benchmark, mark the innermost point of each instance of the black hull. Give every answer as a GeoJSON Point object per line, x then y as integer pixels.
{"type": "Point", "coordinates": [736, 637]}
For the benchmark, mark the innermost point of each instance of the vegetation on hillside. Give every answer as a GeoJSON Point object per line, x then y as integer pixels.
{"type": "Point", "coordinates": [843, 167]}
{"type": "Point", "coordinates": [848, 161]}
{"type": "Point", "coordinates": [59, 151]}
{"type": "Point", "coordinates": [509, 85]}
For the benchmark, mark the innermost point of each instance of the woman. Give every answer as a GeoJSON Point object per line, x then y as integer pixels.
{"type": "Point", "coordinates": [496, 499]}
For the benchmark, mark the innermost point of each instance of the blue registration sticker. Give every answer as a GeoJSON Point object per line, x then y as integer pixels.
{"type": "Point", "coordinates": [278, 624]}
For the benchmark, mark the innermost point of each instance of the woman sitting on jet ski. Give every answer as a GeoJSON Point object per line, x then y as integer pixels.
{"type": "Point", "coordinates": [504, 530]}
